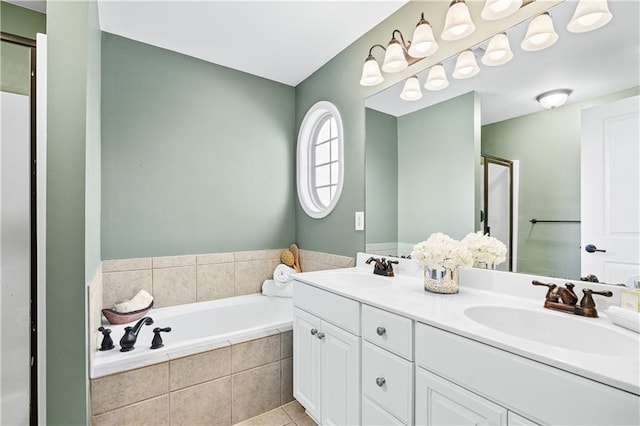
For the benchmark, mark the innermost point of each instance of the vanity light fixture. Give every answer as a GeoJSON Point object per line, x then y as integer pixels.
{"type": "Point", "coordinates": [540, 34]}
{"type": "Point", "coordinates": [411, 90]}
{"type": "Point", "coordinates": [553, 98]}
{"type": "Point", "coordinates": [589, 15]}
{"type": "Point", "coordinates": [437, 78]}
{"type": "Point", "coordinates": [394, 59]}
{"type": "Point", "coordinates": [423, 43]}
{"type": "Point", "coordinates": [498, 51]}
{"type": "Point", "coordinates": [498, 9]}
{"type": "Point", "coordinates": [371, 74]}
{"type": "Point", "coordinates": [466, 65]}
{"type": "Point", "coordinates": [458, 23]}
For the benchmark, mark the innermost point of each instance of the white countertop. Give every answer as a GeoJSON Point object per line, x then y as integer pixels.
{"type": "Point", "coordinates": [405, 295]}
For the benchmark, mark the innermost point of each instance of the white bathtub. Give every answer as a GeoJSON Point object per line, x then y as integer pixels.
{"type": "Point", "coordinates": [196, 327]}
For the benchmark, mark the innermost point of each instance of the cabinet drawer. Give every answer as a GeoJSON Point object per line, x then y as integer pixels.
{"type": "Point", "coordinates": [387, 380]}
{"type": "Point", "coordinates": [391, 331]}
{"type": "Point", "coordinates": [338, 310]}
{"type": "Point", "coordinates": [372, 415]}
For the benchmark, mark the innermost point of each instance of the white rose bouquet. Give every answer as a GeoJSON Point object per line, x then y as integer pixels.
{"type": "Point", "coordinates": [485, 249]}
{"type": "Point", "coordinates": [441, 252]}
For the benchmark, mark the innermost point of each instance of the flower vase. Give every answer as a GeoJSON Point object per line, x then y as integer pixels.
{"type": "Point", "coordinates": [441, 281]}
{"type": "Point", "coordinates": [485, 265]}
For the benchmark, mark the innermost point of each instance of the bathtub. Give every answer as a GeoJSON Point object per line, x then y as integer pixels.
{"type": "Point", "coordinates": [196, 327]}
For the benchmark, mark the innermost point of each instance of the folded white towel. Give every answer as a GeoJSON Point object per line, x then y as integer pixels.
{"type": "Point", "coordinates": [269, 288]}
{"type": "Point", "coordinates": [283, 274]}
{"type": "Point", "coordinates": [624, 318]}
{"type": "Point", "coordinates": [139, 301]}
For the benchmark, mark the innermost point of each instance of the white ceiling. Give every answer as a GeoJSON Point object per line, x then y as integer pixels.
{"type": "Point", "coordinates": [591, 64]}
{"type": "Point", "coordinates": [284, 41]}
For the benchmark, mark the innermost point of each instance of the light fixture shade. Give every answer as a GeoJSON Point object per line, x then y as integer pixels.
{"type": "Point", "coordinates": [411, 90]}
{"type": "Point", "coordinates": [540, 34]}
{"type": "Point", "coordinates": [437, 78]}
{"type": "Point", "coordinates": [498, 51]}
{"type": "Point", "coordinates": [553, 98]}
{"type": "Point", "coordinates": [423, 43]}
{"type": "Point", "coordinates": [589, 15]}
{"type": "Point", "coordinates": [394, 60]}
{"type": "Point", "coordinates": [498, 9]}
{"type": "Point", "coordinates": [371, 74]}
{"type": "Point", "coordinates": [458, 22]}
{"type": "Point", "coordinates": [466, 65]}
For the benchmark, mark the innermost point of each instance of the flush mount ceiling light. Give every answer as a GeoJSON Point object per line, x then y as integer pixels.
{"type": "Point", "coordinates": [498, 9]}
{"type": "Point", "coordinates": [437, 78]}
{"type": "Point", "coordinates": [458, 23]}
{"type": "Point", "coordinates": [411, 90]}
{"type": "Point", "coordinates": [423, 43]}
{"type": "Point", "coordinates": [540, 34]}
{"type": "Point", "coordinates": [589, 15]}
{"type": "Point", "coordinates": [553, 98]}
{"type": "Point", "coordinates": [466, 65]}
{"type": "Point", "coordinates": [498, 51]}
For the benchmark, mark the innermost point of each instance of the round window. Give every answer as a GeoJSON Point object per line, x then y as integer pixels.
{"type": "Point", "coordinates": [320, 160]}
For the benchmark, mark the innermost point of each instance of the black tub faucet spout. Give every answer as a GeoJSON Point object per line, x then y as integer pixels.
{"type": "Point", "coordinates": [131, 334]}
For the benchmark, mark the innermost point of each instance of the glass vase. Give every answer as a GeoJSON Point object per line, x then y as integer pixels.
{"type": "Point", "coordinates": [485, 265]}
{"type": "Point", "coordinates": [441, 281]}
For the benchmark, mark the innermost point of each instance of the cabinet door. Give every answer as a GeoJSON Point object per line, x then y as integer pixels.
{"type": "Point", "coordinates": [373, 415]}
{"type": "Point", "coordinates": [440, 402]}
{"type": "Point", "coordinates": [340, 376]}
{"type": "Point", "coordinates": [306, 362]}
{"type": "Point", "coordinates": [514, 419]}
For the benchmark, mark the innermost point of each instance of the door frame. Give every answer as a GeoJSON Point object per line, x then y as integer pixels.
{"type": "Point", "coordinates": [489, 159]}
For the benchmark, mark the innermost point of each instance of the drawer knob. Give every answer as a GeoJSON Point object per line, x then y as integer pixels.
{"type": "Point", "coordinates": [314, 331]}
{"type": "Point", "coordinates": [380, 381]}
{"type": "Point", "coordinates": [381, 331]}
{"type": "Point", "coordinates": [321, 335]}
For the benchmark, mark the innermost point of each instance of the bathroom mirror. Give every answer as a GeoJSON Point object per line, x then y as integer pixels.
{"type": "Point", "coordinates": [498, 111]}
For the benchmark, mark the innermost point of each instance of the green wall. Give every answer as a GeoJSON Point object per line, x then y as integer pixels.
{"type": "Point", "coordinates": [337, 82]}
{"type": "Point", "coordinates": [381, 174]}
{"type": "Point", "coordinates": [71, 235]}
{"type": "Point", "coordinates": [547, 144]}
{"type": "Point", "coordinates": [196, 157]}
{"type": "Point", "coordinates": [15, 59]}
{"type": "Point", "coordinates": [437, 159]}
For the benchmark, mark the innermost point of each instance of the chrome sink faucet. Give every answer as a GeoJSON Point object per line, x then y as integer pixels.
{"type": "Point", "coordinates": [564, 299]}
{"type": "Point", "coordinates": [131, 334]}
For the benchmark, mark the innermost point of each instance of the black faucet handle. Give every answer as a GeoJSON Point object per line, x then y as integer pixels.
{"type": "Point", "coordinates": [107, 341]}
{"type": "Point", "coordinates": [156, 343]}
{"type": "Point", "coordinates": [587, 299]}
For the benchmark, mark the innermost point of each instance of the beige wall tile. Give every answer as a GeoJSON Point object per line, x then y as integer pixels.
{"type": "Point", "coordinates": [205, 259]}
{"type": "Point", "coordinates": [287, 344]}
{"type": "Point", "coordinates": [151, 412]}
{"type": "Point", "coordinates": [274, 253]}
{"type": "Point", "coordinates": [199, 368]}
{"type": "Point", "coordinates": [215, 281]}
{"type": "Point", "coordinates": [286, 380]}
{"type": "Point", "coordinates": [133, 264]}
{"type": "Point", "coordinates": [174, 286]}
{"type": "Point", "coordinates": [271, 266]}
{"type": "Point", "coordinates": [255, 353]}
{"type": "Point", "coordinates": [328, 259]}
{"type": "Point", "coordinates": [95, 306]}
{"type": "Point", "coordinates": [344, 261]}
{"type": "Point", "coordinates": [276, 417]}
{"type": "Point", "coordinates": [255, 391]}
{"type": "Point", "coordinates": [312, 256]}
{"type": "Point", "coordinates": [243, 256]}
{"type": "Point", "coordinates": [205, 404]}
{"type": "Point", "coordinates": [118, 390]}
{"type": "Point", "coordinates": [173, 261]}
{"type": "Point", "coordinates": [249, 276]}
{"type": "Point", "coordinates": [119, 286]}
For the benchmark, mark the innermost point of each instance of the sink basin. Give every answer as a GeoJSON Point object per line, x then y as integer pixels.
{"type": "Point", "coordinates": [359, 279]}
{"type": "Point", "coordinates": [556, 329]}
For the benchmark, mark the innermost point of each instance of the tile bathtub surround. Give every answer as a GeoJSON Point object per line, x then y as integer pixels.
{"type": "Point", "coordinates": [222, 386]}
{"type": "Point", "coordinates": [94, 294]}
{"type": "Point", "coordinates": [318, 261]}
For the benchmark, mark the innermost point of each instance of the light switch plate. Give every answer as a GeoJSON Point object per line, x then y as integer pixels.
{"type": "Point", "coordinates": [359, 221]}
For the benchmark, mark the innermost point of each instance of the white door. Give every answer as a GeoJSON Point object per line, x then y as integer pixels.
{"type": "Point", "coordinates": [340, 376]}
{"type": "Point", "coordinates": [15, 258]}
{"type": "Point", "coordinates": [610, 240]}
{"type": "Point", "coordinates": [306, 362]}
{"type": "Point", "coordinates": [440, 402]}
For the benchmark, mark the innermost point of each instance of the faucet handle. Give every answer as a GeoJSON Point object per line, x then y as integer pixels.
{"type": "Point", "coordinates": [587, 300]}
{"type": "Point", "coordinates": [156, 343]}
{"type": "Point", "coordinates": [107, 341]}
{"type": "Point", "coordinates": [552, 293]}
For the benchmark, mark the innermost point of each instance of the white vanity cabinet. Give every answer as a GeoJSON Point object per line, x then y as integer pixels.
{"type": "Point", "coordinates": [326, 365]}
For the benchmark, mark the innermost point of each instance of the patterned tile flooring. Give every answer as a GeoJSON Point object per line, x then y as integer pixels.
{"type": "Point", "coordinates": [287, 415]}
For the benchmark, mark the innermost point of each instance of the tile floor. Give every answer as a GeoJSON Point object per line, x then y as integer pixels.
{"type": "Point", "coordinates": [287, 415]}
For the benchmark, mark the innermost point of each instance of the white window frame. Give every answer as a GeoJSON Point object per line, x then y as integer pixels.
{"type": "Point", "coordinates": [306, 165]}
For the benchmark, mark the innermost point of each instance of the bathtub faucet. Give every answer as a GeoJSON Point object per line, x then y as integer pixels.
{"type": "Point", "coordinates": [131, 334]}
